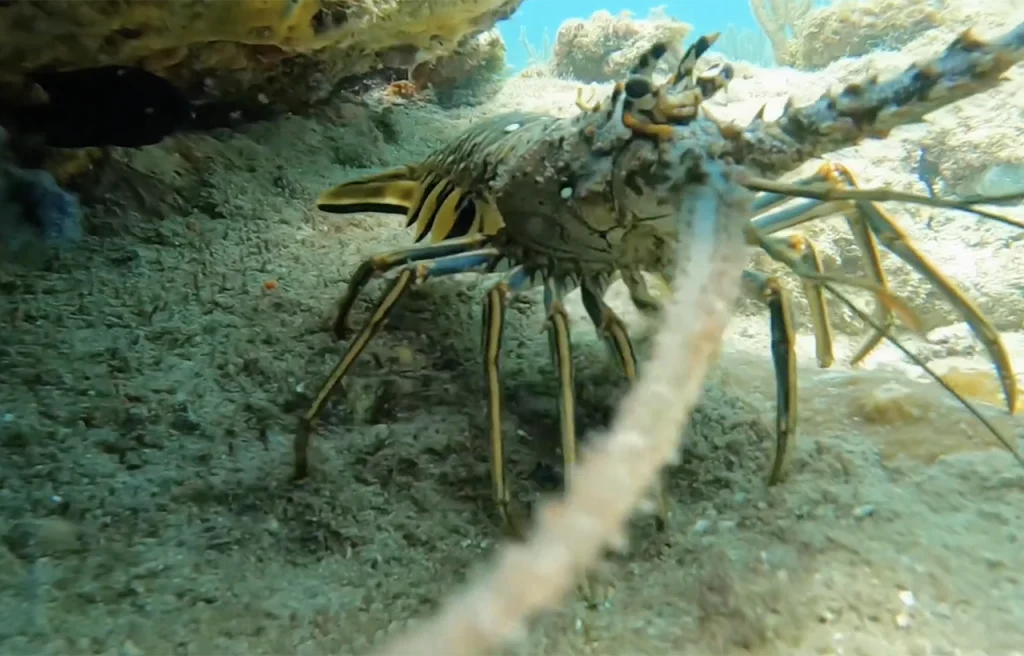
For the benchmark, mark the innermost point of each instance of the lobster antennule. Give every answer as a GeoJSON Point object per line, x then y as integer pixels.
{"type": "Point", "coordinates": [651, 110]}
{"type": "Point", "coordinates": [872, 108]}
{"type": "Point", "coordinates": [392, 192]}
{"type": "Point", "coordinates": [684, 71]}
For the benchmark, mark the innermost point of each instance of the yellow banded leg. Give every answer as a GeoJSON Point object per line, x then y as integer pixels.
{"type": "Point", "coordinates": [612, 330]}
{"type": "Point", "coordinates": [872, 225]}
{"type": "Point", "coordinates": [838, 176]}
{"type": "Point", "coordinates": [807, 253]}
{"type": "Point", "coordinates": [882, 313]}
{"type": "Point", "coordinates": [412, 273]}
{"type": "Point", "coordinates": [773, 219]}
{"type": "Point", "coordinates": [803, 211]}
{"type": "Point", "coordinates": [870, 222]}
{"type": "Point", "coordinates": [560, 339]}
{"type": "Point", "coordinates": [513, 519]}
{"type": "Point", "coordinates": [894, 240]}
{"type": "Point", "coordinates": [767, 290]}
{"type": "Point", "coordinates": [560, 342]}
{"type": "Point", "coordinates": [384, 262]}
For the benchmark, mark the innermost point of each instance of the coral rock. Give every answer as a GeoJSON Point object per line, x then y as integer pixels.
{"type": "Point", "coordinates": [293, 52]}
{"type": "Point", "coordinates": [604, 47]}
{"type": "Point", "coordinates": [467, 74]}
{"type": "Point", "coordinates": [851, 28]}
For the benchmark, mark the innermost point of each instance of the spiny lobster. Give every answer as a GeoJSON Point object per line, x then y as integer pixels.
{"type": "Point", "coordinates": [576, 203]}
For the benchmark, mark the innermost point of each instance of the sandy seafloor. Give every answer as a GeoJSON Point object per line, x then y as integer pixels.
{"type": "Point", "coordinates": [151, 385]}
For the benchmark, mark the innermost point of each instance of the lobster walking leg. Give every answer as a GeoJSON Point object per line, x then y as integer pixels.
{"type": "Point", "coordinates": [807, 210]}
{"type": "Point", "coordinates": [871, 224]}
{"type": "Point", "coordinates": [776, 220]}
{"type": "Point", "coordinates": [610, 327]}
{"type": "Point", "coordinates": [384, 262]}
{"type": "Point", "coordinates": [767, 289]}
{"type": "Point", "coordinates": [560, 342]}
{"type": "Point", "coordinates": [516, 281]}
{"type": "Point", "coordinates": [612, 330]}
{"type": "Point", "coordinates": [894, 240]}
{"type": "Point", "coordinates": [409, 275]}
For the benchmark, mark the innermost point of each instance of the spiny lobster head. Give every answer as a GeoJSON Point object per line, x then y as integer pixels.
{"type": "Point", "coordinates": [656, 145]}
{"type": "Point", "coordinates": [640, 109]}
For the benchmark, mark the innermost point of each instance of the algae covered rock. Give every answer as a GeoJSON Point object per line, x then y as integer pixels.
{"type": "Point", "coordinates": [851, 28]}
{"type": "Point", "coordinates": [975, 145]}
{"type": "Point", "coordinates": [468, 74]}
{"type": "Point", "coordinates": [604, 47]}
{"type": "Point", "coordinates": [284, 52]}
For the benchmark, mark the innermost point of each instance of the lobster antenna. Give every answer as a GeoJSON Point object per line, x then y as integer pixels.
{"type": "Point", "coordinates": [827, 192]}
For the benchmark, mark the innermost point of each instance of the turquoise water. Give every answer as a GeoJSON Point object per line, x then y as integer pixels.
{"type": "Point", "coordinates": [536, 16]}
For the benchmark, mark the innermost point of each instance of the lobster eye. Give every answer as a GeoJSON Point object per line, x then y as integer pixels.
{"type": "Point", "coordinates": [638, 87]}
